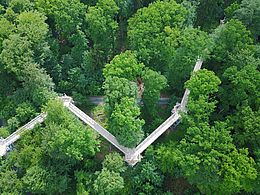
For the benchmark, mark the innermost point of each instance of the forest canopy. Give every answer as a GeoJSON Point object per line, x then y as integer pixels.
{"type": "Point", "coordinates": [133, 55]}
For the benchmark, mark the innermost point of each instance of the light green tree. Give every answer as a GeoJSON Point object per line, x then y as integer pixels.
{"type": "Point", "coordinates": [114, 162]}
{"type": "Point", "coordinates": [125, 66]}
{"type": "Point", "coordinates": [118, 88]}
{"type": "Point", "coordinates": [125, 124]}
{"type": "Point", "coordinates": [149, 28]}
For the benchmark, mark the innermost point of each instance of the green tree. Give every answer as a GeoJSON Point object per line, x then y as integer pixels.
{"type": "Point", "coordinates": [249, 14]}
{"type": "Point", "coordinates": [117, 88]}
{"type": "Point", "coordinates": [114, 162]}
{"type": "Point", "coordinates": [149, 28]}
{"type": "Point", "coordinates": [230, 39]}
{"type": "Point", "coordinates": [41, 180]}
{"type": "Point", "coordinates": [70, 139]}
{"type": "Point", "coordinates": [125, 124]}
{"type": "Point", "coordinates": [202, 83]}
{"type": "Point", "coordinates": [32, 25]}
{"type": "Point", "coordinates": [242, 86]}
{"type": "Point", "coordinates": [9, 183]}
{"type": "Point", "coordinates": [206, 154]}
{"type": "Point", "coordinates": [16, 54]}
{"type": "Point", "coordinates": [147, 179]}
{"type": "Point", "coordinates": [209, 13]}
{"type": "Point", "coordinates": [125, 66]}
{"type": "Point", "coordinates": [19, 6]}
{"type": "Point", "coordinates": [207, 157]}
{"type": "Point", "coordinates": [6, 28]}
{"type": "Point", "coordinates": [47, 156]}
{"type": "Point", "coordinates": [65, 16]}
{"type": "Point", "coordinates": [191, 44]}
{"type": "Point", "coordinates": [154, 82]}
{"type": "Point", "coordinates": [102, 30]}
{"type": "Point", "coordinates": [245, 123]}
{"type": "Point", "coordinates": [108, 182]}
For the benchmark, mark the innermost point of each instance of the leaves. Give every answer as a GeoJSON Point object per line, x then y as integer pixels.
{"type": "Point", "coordinates": [124, 123]}
{"type": "Point", "coordinates": [146, 31]}
{"type": "Point", "coordinates": [125, 66]}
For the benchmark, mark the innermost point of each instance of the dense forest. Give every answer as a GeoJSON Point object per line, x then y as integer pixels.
{"type": "Point", "coordinates": [125, 50]}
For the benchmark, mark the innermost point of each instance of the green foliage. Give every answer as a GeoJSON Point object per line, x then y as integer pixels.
{"type": "Point", "coordinates": [102, 30]}
{"type": "Point", "coordinates": [66, 15]}
{"type": "Point", "coordinates": [6, 28]}
{"type": "Point", "coordinates": [19, 53]}
{"type": "Point", "coordinates": [202, 83]}
{"type": "Point", "coordinates": [47, 156]}
{"type": "Point", "coordinates": [108, 182]}
{"type": "Point", "coordinates": [100, 115]}
{"type": "Point", "coordinates": [206, 154]}
{"type": "Point", "coordinates": [66, 136]}
{"type": "Point", "coordinates": [249, 14]}
{"type": "Point", "coordinates": [124, 123]}
{"type": "Point", "coordinates": [154, 82]}
{"type": "Point", "coordinates": [229, 11]}
{"type": "Point", "coordinates": [207, 157]}
{"type": "Point", "coordinates": [230, 38]}
{"type": "Point", "coordinates": [32, 25]}
{"type": "Point", "coordinates": [117, 88]}
{"type": "Point", "coordinates": [243, 86]}
{"type": "Point", "coordinates": [19, 6]}
{"type": "Point", "coordinates": [148, 31]}
{"type": "Point", "coordinates": [9, 183]}
{"type": "Point", "coordinates": [16, 53]}
{"type": "Point", "coordinates": [125, 66]}
{"type": "Point", "coordinates": [114, 162]}
{"type": "Point", "coordinates": [246, 127]}
{"type": "Point", "coordinates": [147, 179]}
{"type": "Point", "coordinates": [40, 180]}
{"type": "Point", "coordinates": [209, 13]}
{"type": "Point", "coordinates": [191, 44]}
{"type": "Point", "coordinates": [72, 47]}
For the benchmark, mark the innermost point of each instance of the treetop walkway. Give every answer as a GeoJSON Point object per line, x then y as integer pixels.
{"type": "Point", "coordinates": [132, 155]}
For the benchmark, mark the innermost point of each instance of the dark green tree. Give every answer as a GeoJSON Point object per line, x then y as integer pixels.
{"type": "Point", "coordinates": [108, 182]}
{"type": "Point", "coordinates": [249, 14]}
{"type": "Point", "coordinates": [102, 30]}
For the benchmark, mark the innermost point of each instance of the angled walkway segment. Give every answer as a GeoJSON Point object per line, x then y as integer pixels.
{"type": "Point", "coordinates": [93, 124]}
{"type": "Point", "coordinates": [5, 143]}
{"type": "Point", "coordinates": [184, 100]}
